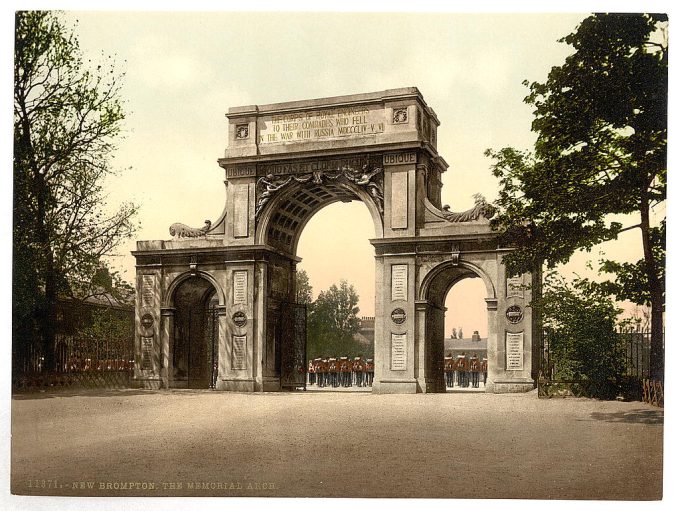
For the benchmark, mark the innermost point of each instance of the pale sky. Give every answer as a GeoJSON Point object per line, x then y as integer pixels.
{"type": "Point", "coordinates": [184, 70]}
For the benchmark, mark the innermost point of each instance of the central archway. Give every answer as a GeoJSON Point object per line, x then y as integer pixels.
{"type": "Point", "coordinates": [280, 226]}
{"type": "Point", "coordinates": [338, 266]}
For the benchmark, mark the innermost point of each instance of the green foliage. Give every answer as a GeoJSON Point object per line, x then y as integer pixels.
{"type": "Point", "coordinates": [541, 216]}
{"type": "Point", "coordinates": [107, 331]}
{"type": "Point", "coordinates": [580, 323]}
{"type": "Point", "coordinates": [631, 281]}
{"type": "Point", "coordinates": [600, 120]}
{"type": "Point", "coordinates": [333, 322]}
{"type": "Point", "coordinates": [601, 125]}
{"type": "Point", "coordinates": [303, 289]}
{"type": "Point", "coordinates": [67, 114]}
{"type": "Point", "coordinates": [105, 285]}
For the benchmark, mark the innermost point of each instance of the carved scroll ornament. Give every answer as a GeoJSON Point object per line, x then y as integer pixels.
{"type": "Point", "coordinates": [368, 178]}
{"type": "Point", "coordinates": [179, 230]}
{"type": "Point", "coordinates": [481, 209]}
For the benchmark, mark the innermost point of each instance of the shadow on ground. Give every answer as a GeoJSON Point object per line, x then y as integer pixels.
{"type": "Point", "coordinates": [630, 417]}
{"type": "Point", "coordinates": [52, 393]}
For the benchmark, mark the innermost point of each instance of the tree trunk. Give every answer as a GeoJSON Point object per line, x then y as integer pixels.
{"type": "Point", "coordinates": [48, 317]}
{"type": "Point", "coordinates": [657, 351]}
{"type": "Point", "coordinates": [656, 355]}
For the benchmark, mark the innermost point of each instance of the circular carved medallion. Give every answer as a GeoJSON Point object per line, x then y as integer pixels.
{"type": "Point", "coordinates": [398, 316]}
{"type": "Point", "coordinates": [239, 318]}
{"type": "Point", "coordinates": [147, 320]}
{"type": "Point", "coordinates": [514, 314]}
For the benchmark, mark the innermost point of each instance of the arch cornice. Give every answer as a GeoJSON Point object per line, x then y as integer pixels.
{"type": "Point", "coordinates": [279, 200]}
{"type": "Point", "coordinates": [434, 273]}
{"type": "Point", "coordinates": [167, 301]}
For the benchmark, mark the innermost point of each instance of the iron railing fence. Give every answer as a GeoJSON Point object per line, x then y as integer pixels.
{"type": "Point", "coordinates": [79, 362]}
{"type": "Point", "coordinates": [633, 350]}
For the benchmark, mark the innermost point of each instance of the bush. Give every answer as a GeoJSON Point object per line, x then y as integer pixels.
{"type": "Point", "coordinates": [580, 322]}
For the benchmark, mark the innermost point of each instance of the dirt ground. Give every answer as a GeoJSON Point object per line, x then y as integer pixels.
{"type": "Point", "coordinates": [202, 443]}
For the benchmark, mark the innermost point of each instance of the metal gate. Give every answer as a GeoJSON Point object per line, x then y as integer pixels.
{"type": "Point", "coordinates": [195, 348]}
{"type": "Point", "coordinates": [293, 345]}
{"type": "Point", "coordinates": [212, 327]}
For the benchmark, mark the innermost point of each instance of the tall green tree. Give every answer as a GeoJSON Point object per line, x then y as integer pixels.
{"type": "Point", "coordinates": [67, 114]}
{"type": "Point", "coordinates": [601, 125]}
{"type": "Point", "coordinates": [333, 322]}
{"type": "Point", "coordinates": [303, 289]}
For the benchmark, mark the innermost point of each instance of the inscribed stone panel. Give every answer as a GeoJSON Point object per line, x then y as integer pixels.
{"type": "Point", "coordinates": [399, 200]}
{"type": "Point", "coordinates": [240, 287]}
{"type": "Point", "coordinates": [147, 351]}
{"type": "Point", "coordinates": [322, 124]}
{"type": "Point", "coordinates": [398, 359]}
{"type": "Point", "coordinates": [238, 352]}
{"type": "Point", "coordinates": [241, 210]}
{"type": "Point", "coordinates": [399, 282]}
{"type": "Point", "coordinates": [514, 351]}
{"type": "Point", "coordinates": [148, 290]}
{"type": "Point", "coordinates": [514, 287]}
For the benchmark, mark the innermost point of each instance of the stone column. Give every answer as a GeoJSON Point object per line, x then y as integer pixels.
{"type": "Point", "coordinates": [379, 344]}
{"type": "Point", "coordinates": [494, 358]}
{"type": "Point", "coordinates": [421, 345]}
{"type": "Point", "coordinates": [148, 342]}
{"type": "Point", "coordinates": [167, 332]}
{"type": "Point", "coordinates": [510, 355]}
{"type": "Point", "coordinates": [222, 340]}
{"type": "Point", "coordinates": [396, 316]}
{"type": "Point", "coordinates": [434, 378]}
{"type": "Point", "coordinates": [260, 326]}
{"type": "Point", "coordinates": [238, 322]}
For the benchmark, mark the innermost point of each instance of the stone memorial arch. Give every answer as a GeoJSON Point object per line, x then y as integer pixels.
{"type": "Point", "coordinates": [225, 291]}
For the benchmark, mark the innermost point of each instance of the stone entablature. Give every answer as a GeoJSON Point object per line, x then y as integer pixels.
{"type": "Point", "coordinates": [362, 120]}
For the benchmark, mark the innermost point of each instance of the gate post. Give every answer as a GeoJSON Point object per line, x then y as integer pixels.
{"type": "Point", "coordinates": [238, 329]}
{"type": "Point", "coordinates": [395, 354]}
{"type": "Point", "coordinates": [511, 323]}
{"type": "Point", "coordinates": [167, 336]}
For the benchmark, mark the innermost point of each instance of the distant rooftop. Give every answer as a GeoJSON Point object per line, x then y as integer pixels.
{"type": "Point", "coordinates": [464, 344]}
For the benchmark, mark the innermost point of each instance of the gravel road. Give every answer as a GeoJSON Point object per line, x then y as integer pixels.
{"type": "Point", "coordinates": [201, 443]}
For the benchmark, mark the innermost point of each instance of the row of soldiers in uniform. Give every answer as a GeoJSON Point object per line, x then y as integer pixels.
{"type": "Point", "coordinates": [464, 370]}
{"type": "Point", "coordinates": [341, 372]}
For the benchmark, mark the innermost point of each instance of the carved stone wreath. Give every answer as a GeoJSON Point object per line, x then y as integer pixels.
{"type": "Point", "coordinates": [242, 131]}
{"type": "Point", "coordinates": [400, 116]}
{"type": "Point", "coordinates": [370, 179]}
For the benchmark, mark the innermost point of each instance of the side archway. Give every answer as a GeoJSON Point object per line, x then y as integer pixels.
{"type": "Point", "coordinates": [192, 325]}
{"type": "Point", "coordinates": [431, 310]}
{"type": "Point", "coordinates": [168, 297]}
{"type": "Point", "coordinates": [440, 279]}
